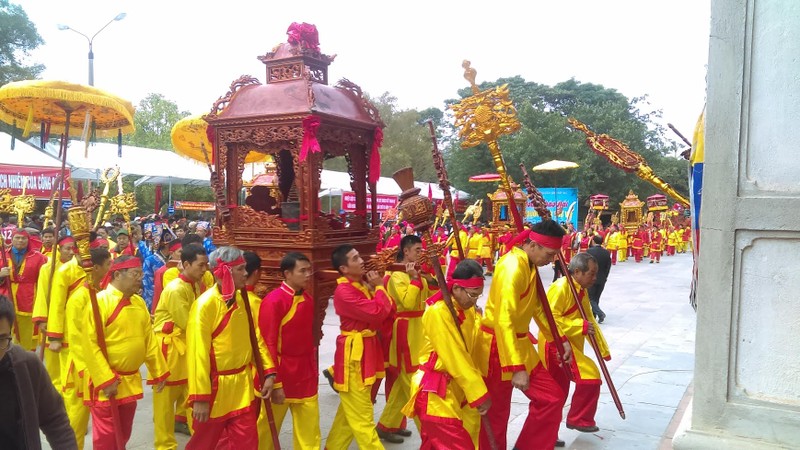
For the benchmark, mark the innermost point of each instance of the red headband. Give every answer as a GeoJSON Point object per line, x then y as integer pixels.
{"type": "Point", "coordinates": [131, 263]}
{"type": "Point", "coordinates": [469, 283]}
{"type": "Point", "coordinates": [66, 240]}
{"type": "Point", "coordinates": [223, 273]}
{"type": "Point", "coordinates": [545, 241]}
{"type": "Point", "coordinates": [98, 242]}
{"type": "Point", "coordinates": [175, 246]}
{"type": "Point", "coordinates": [21, 232]}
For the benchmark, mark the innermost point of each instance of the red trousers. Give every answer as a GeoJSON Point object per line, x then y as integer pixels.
{"type": "Point", "coordinates": [637, 254]}
{"type": "Point", "coordinates": [489, 264]}
{"type": "Point", "coordinates": [500, 393]}
{"type": "Point", "coordinates": [445, 434]}
{"type": "Point", "coordinates": [613, 257]}
{"type": "Point", "coordinates": [103, 425]}
{"type": "Point", "coordinates": [239, 431]}
{"type": "Point", "coordinates": [584, 399]}
{"type": "Point", "coordinates": [547, 398]}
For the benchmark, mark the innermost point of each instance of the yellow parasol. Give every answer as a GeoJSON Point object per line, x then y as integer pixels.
{"type": "Point", "coordinates": [34, 101]}
{"type": "Point", "coordinates": [189, 139]}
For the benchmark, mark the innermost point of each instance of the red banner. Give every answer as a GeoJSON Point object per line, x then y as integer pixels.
{"type": "Point", "coordinates": [41, 180]}
{"type": "Point", "coordinates": [384, 201]}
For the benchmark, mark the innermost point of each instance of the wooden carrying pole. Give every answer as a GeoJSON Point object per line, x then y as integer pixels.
{"type": "Point", "coordinates": [260, 369]}
{"type": "Point", "coordinates": [541, 207]}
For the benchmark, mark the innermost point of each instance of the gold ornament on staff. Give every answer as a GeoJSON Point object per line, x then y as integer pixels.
{"type": "Point", "coordinates": [619, 155]}
{"type": "Point", "coordinates": [108, 176]}
{"type": "Point", "coordinates": [482, 119]}
{"type": "Point", "coordinates": [23, 204]}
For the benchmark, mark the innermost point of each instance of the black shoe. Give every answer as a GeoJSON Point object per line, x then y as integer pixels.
{"type": "Point", "coordinates": [560, 443]}
{"type": "Point", "coordinates": [182, 428]}
{"type": "Point", "coordinates": [404, 432]}
{"type": "Point", "coordinates": [584, 429]}
{"type": "Point", "coordinates": [602, 318]}
{"type": "Point", "coordinates": [389, 437]}
{"type": "Point", "coordinates": [327, 374]}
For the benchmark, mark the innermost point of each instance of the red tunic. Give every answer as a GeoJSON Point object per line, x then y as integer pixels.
{"type": "Point", "coordinates": [23, 280]}
{"type": "Point", "coordinates": [361, 313]}
{"type": "Point", "coordinates": [286, 322]}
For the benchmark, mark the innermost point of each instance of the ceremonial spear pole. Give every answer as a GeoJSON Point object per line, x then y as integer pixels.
{"type": "Point", "coordinates": [541, 208]}
{"type": "Point", "coordinates": [444, 185]}
{"type": "Point", "coordinates": [483, 118]}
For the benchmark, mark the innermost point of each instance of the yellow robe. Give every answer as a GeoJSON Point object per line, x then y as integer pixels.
{"type": "Point", "coordinates": [41, 302]}
{"type": "Point", "coordinates": [473, 243]}
{"type": "Point", "coordinates": [570, 322]}
{"type": "Point", "coordinates": [611, 241]}
{"type": "Point", "coordinates": [130, 342]}
{"type": "Point", "coordinates": [485, 247]}
{"type": "Point", "coordinates": [409, 296]}
{"type": "Point", "coordinates": [66, 279]}
{"type": "Point", "coordinates": [171, 317]}
{"type": "Point", "coordinates": [173, 272]}
{"type": "Point", "coordinates": [217, 332]}
{"type": "Point", "coordinates": [511, 305]}
{"type": "Point", "coordinates": [73, 365]}
{"type": "Point", "coordinates": [444, 356]}
{"type": "Point", "coordinates": [451, 243]}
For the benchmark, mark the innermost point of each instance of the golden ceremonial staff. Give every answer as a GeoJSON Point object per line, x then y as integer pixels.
{"type": "Point", "coordinates": [541, 208]}
{"type": "Point", "coordinates": [619, 155]}
{"type": "Point", "coordinates": [481, 119]}
{"type": "Point", "coordinates": [107, 177]}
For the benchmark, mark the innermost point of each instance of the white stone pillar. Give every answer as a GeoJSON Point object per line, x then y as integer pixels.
{"type": "Point", "coordinates": [747, 369]}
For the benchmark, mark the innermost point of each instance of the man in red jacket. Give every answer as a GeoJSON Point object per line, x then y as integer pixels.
{"type": "Point", "coordinates": [285, 321]}
{"type": "Point", "coordinates": [18, 277]}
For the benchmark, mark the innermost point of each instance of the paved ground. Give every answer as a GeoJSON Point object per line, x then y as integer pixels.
{"type": "Point", "coordinates": [650, 330]}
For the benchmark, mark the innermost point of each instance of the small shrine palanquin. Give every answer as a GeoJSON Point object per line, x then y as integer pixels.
{"type": "Point", "coordinates": [300, 120]}
{"type": "Point", "coordinates": [631, 212]}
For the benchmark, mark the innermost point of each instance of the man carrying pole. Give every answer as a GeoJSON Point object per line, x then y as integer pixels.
{"type": "Point", "coordinates": [285, 321]}
{"type": "Point", "coordinates": [221, 389]}
{"type": "Point", "coordinates": [505, 353]}
{"type": "Point", "coordinates": [585, 373]}
{"type": "Point", "coordinates": [19, 271]}
{"type": "Point", "coordinates": [120, 339]}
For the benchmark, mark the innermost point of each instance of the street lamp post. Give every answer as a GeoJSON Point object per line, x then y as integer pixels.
{"type": "Point", "coordinates": [62, 27]}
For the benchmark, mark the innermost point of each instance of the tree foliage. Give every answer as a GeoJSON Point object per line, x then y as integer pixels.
{"type": "Point", "coordinates": [406, 140]}
{"type": "Point", "coordinates": [18, 37]}
{"type": "Point", "coordinates": [545, 135]}
{"type": "Point", "coordinates": [155, 116]}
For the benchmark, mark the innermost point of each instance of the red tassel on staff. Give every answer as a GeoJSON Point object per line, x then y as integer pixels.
{"type": "Point", "coordinates": [375, 157]}
{"type": "Point", "coordinates": [80, 190]}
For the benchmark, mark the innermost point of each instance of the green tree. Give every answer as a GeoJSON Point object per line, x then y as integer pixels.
{"type": "Point", "coordinates": [544, 135]}
{"type": "Point", "coordinates": [155, 116]}
{"type": "Point", "coordinates": [406, 142]}
{"type": "Point", "coordinates": [18, 37]}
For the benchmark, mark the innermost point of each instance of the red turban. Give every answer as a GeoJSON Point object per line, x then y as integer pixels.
{"type": "Point", "coordinates": [222, 272]}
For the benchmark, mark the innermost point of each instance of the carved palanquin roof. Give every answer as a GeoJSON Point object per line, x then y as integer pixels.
{"type": "Point", "coordinates": [295, 100]}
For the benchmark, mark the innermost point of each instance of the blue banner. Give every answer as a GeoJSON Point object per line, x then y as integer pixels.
{"type": "Point", "coordinates": [562, 203]}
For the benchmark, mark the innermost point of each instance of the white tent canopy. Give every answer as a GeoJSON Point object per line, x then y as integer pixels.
{"type": "Point", "coordinates": [24, 154]}
{"type": "Point", "coordinates": [152, 166]}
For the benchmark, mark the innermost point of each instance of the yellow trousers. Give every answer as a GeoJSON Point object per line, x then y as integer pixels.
{"type": "Point", "coordinates": [78, 414]}
{"type": "Point", "coordinates": [165, 405]}
{"type": "Point", "coordinates": [392, 416]}
{"type": "Point", "coordinates": [23, 332]}
{"type": "Point", "coordinates": [305, 424]}
{"type": "Point", "coordinates": [52, 363]}
{"type": "Point", "coordinates": [355, 416]}
{"type": "Point", "coordinates": [622, 254]}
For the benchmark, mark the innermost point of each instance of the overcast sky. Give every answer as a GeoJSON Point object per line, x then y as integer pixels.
{"type": "Point", "coordinates": [190, 51]}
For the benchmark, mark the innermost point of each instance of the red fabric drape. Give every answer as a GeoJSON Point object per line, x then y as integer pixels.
{"type": "Point", "coordinates": [375, 156]}
{"type": "Point", "coordinates": [310, 143]}
{"type": "Point", "coordinates": [159, 195]}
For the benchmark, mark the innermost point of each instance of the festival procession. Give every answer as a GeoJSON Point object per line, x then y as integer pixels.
{"type": "Point", "coordinates": [441, 313]}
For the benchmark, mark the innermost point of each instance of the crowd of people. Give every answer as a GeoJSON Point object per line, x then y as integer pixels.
{"type": "Point", "coordinates": [214, 350]}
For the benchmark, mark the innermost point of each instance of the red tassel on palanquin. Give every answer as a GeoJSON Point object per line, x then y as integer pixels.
{"type": "Point", "coordinates": [310, 143]}
{"type": "Point", "coordinates": [375, 156]}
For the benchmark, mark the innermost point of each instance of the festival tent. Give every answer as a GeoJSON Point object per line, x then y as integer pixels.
{"type": "Point", "coordinates": [27, 166]}
{"type": "Point", "coordinates": [149, 165]}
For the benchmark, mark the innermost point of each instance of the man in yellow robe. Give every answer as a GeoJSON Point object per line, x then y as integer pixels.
{"type": "Point", "coordinates": [577, 330]}
{"type": "Point", "coordinates": [409, 290]}
{"type": "Point", "coordinates": [448, 393]}
{"type": "Point", "coordinates": [622, 245]}
{"type": "Point", "coordinates": [73, 370]}
{"type": "Point", "coordinates": [220, 355]}
{"type": "Point", "coordinates": [171, 317]}
{"type": "Point", "coordinates": [41, 306]}
{"type": "Point", "coordinates": [451, 243]}
{"type": "Point", "coordinates": [113, 362]}
{"type": "Point", "coordinates": [505, 353]}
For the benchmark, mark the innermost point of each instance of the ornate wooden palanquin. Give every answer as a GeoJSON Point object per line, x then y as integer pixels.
{"type": "Point", "coordinates": [630, 211]}
{"type": "Point", "coordinates": [501, 216]}
{"type": "Point", "coordinates": [269, 118]}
